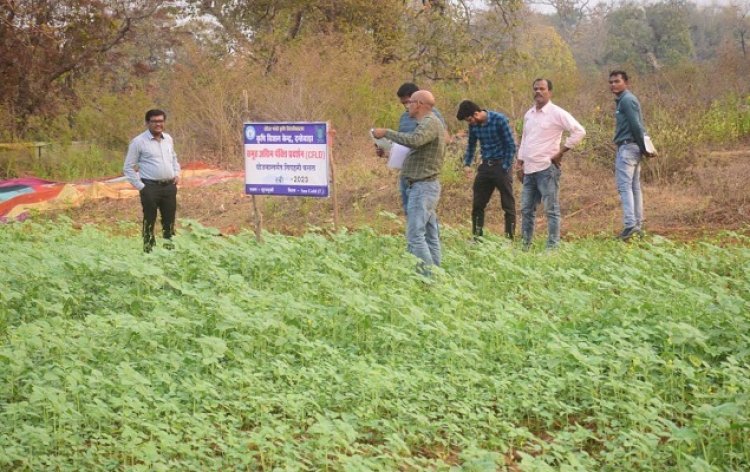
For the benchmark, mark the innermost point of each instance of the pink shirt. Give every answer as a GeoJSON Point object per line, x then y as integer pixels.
{"type": "Point", "coordinates": [542, 132]}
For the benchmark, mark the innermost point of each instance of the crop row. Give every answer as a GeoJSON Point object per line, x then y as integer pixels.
{"type": "Point", "coordinates": [329, 352]}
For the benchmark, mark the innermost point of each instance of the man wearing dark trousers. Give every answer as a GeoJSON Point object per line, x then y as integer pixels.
{"type": "Point", "coordinates": [151, 167]}
{"type": "Point", "coordinates": [495, 171]}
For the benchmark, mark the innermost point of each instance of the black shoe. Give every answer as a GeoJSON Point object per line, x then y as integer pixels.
{"type": "Point", "coordinates": [510, 230]}
{"type": "Point", "coordinates": [476, 240]}
{"type": "Point", "coordinates": [629, 232]}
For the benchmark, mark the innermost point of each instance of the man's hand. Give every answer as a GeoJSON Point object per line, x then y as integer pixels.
{"type": "Point", "coordinates": [468, 172]}
{"type": "Point", "coordinates": [380, 152]}
{"type": "Point", "coordinates": [378, 133]}
{"type": "Point", "coordinates": [557, 159]}
{"type": "Point", "coordinates": [177, 180]}
{"type": "Point", "coordinates": [519, 170]}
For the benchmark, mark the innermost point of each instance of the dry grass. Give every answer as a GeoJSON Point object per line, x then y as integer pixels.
{"type": "Point", "coordinates": [710, 198]}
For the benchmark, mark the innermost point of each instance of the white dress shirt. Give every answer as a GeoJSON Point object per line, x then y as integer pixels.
{"type": "Point", "coordinates": [155, 159]}
{"type": "Point", "coordinates": [542, 133]}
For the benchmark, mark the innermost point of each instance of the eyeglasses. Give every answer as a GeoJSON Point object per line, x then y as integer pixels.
{"type": "Point", "coordinates": [156, 122]}
{"type": "Point", "coordinates": [409, 102]}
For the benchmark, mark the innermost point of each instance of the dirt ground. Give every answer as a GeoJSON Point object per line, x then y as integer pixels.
{"type": "Point", "coordinates": [702, 201]}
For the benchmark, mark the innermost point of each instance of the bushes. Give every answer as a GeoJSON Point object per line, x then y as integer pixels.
{"type": "Point", "coordinates": [62, 162]}
{"type": "Point", "coordinates": [685, 118]}
{"type": "Point", "coordinates": [208, 99]}
{"type": "Point", "coordinates": [328, 353]}
{"type": "Point", "coordinates": [727, 119]}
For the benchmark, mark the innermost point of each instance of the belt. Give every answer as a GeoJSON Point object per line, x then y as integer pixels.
{"type": "Point", "coordinates": [158, 182]}
{"type": "Point", "coordinates": [411, 182]}
{"type": "Point", "coordinates": [625, 141]}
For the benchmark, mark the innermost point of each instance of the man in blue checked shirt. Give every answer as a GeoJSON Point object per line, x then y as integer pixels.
{"type": "Point", "coordinates": [495, 171]}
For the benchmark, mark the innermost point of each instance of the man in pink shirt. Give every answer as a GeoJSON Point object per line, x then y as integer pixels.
{"type": "Point", "coordinates": [539, 160]}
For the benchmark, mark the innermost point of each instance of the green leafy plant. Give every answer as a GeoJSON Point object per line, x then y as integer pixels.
{"type": "Point", "coordinates": [330, 353]}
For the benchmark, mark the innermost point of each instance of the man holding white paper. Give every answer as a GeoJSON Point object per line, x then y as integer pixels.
{"type": "Point", "coordinates": [406, 124]}
{"type": "Point", "coordinates": [421, 172]}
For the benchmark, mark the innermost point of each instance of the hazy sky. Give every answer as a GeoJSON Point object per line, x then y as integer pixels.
{"type": "Point", "coordinates": [547, 9]}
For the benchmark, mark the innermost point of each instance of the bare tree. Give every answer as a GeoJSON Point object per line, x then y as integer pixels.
{"type": "Point", "coordinates": [44, 42]}
{"type": "Point", "coordinates": [741, 23]}
{"type": "Point", "coordinates": [569, 14]}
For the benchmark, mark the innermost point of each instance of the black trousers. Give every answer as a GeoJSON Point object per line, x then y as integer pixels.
{"type": "Point", "coordinates": [491, 176]}
{"type": "Point", "coordinates": [161, 197]}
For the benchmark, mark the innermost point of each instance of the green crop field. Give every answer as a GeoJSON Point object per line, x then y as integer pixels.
{"type": "Point", "coordinates": [327, 352]}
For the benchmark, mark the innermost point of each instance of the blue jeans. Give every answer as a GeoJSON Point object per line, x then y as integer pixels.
{"type": "Point", "coordinates": [541, 187]}
{"type": "Point", "coordinates": [422, 235]}
{"type": "Point", "coordinates": [628, 178]}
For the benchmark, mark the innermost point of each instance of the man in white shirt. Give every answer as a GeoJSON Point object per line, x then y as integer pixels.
{"type": "Point", "coordinates": [540, 158]}
{"type": "Point", "coordinates": [151, 167]}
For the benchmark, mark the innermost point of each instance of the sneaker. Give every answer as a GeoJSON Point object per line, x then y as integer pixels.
{"type": "Point", "coordinates": [629, 232]}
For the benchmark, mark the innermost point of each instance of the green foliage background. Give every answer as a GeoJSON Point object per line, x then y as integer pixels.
{"type": "Point", "coordinates": [214, 65]}
{"type": "Point", "coordinates": [329, 353]}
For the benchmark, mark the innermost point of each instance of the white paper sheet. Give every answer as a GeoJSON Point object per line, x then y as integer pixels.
{"type": "Point", "coordinates": [397, 156]}
{"type": "Point", "coordinates": [649, 145]}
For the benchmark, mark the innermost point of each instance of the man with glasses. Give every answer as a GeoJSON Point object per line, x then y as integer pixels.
{"type": "Point", "coordinates": [498, 148]}
{"type": "Point", "coordinates": [406, 124]}
{"type": "Point", "coordinates": [421, 172]}
{"type": "Point", "coordinates": [151, 167]}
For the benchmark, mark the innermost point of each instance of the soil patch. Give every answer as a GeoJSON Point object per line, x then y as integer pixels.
{"type": "Point", "coordinates": [707, 199]}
